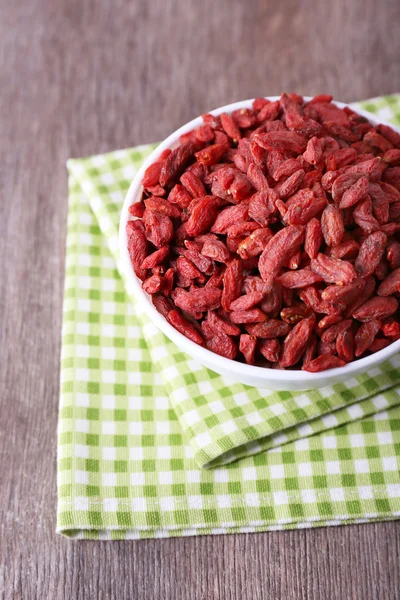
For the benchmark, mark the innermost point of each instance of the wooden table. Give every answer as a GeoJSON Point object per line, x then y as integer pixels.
{"type": "Point", "coordinates": [81, 77]}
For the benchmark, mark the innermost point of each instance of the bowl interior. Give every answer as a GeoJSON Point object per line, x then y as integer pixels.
{"type": "Point", "coordinates": [240, 371]}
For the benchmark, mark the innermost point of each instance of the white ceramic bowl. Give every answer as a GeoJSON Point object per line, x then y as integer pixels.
{"type": "Point", "coordinates": [247, 374]}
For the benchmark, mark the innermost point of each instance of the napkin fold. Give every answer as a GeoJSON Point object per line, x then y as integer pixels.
{"type": "Point", "coordinates": [148, 451]}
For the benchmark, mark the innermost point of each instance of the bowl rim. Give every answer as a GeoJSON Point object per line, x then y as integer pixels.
{"type": "Point", "coordinates": [204, 355]}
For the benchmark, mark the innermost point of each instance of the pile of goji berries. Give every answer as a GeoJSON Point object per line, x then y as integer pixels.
{"type": "Point", "coordinates": [272, 235]}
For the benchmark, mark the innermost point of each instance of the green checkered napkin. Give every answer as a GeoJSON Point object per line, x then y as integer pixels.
{"type": "Point", "coordinates": [144, 451]}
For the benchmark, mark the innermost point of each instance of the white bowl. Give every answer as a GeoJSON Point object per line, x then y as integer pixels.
{"type": "Point", "coordinates": [240, 372]}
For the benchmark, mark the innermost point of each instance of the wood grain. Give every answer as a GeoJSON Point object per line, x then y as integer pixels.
{"type": "Point", "coordinates": [85, 77]}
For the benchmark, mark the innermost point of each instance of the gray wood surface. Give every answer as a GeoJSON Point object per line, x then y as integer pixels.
{"type": "Point", "coordinates": [80, 77]}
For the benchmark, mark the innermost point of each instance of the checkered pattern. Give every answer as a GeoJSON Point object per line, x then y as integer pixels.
{"type": "Point", "coordinates": [133, 440]}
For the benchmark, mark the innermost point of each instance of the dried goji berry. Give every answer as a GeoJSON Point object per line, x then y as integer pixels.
{"type": "Point", "coordinates": [346, 249]}
{"type": "Point", "coordinates": [228, 216]}
{"type": "Point", "coordinates": [198, 299]}
{"type": "Point", "coordinates": [270, 329]}
{"type": "Point", "coordinates": [326, 347]}
{"type": "Point", "coordinates": [299, 279]}
{"type": "Point", "coordinates": [378, 344]}
{"type": "Point", "coordinates": [256, 177]}
{"type": "Point", "coordinates": [283, 141]}
{"type": "Point", "coordinates": [302, 207]}
{"type": "Point", "coordinates": [313, 237]}
{"type": "Point", "coordinates": [243, 228]}
{"type": "Point", "coordinates": [247, 301]}
{"type": "Point", "coordinates": [333, 270]}
{"type": "Point", "coordinates": [162, 304]}
{"type": "Point", "coordinates": [230, 127]}
{"type": "Point", "coordinates": [262, 205]}
{"type": "Point", "coordinates": [330, 334]}
{"type": "Point", "coordinates": [286, 169]}
{"type": "Point", "coordinates": [156, 258]}
{"type": "Point", "coordinates": [363, 217]}
{"type": "Point", "coordinates": [247, 346]}
{"type": "Point", "coordinates": [253, 315]}
{"type": "Point", "coordinates": [175, 163]}
{"type": "Point", "coordinates": [137, 209]}
{"type": "Point", "coordinates": [310, 350]}
{"type": "Point", "coordinates": [178, 195]}
{"type": "Point", "coordinates": [294, 314]}
{"type": "Point", "coordinates": [390, 284]}
{"type": "Point", "coordinates": [376, 308]}
{"type": "Point", "coordinates": [272, 302]}
{"type": "Point", "coordinates": [323, 362]}
{"type": "Point", "coordinates": [233, 280]}
{"type": "Point", "coordinates": [184, 326]}
{"type": "Point", "coordinates": [269, 112]}
{"type": "Point", "coordinates": [287, 188]}
{"type": "Point", "coordinates": [255, 243]}
{"type": "Point", "coordinates": [223, 345]}
{"type": "Point", "coordinates": [137, 246]}
{"type": "Point", "coordinates": [270, 349]}
{"type": "Point", "coordinates": [221, 325]}
{"type": "Point", "coordinates": [296, 341]}
{"type": "Point", "coordinates": [393, 254]}
{"type": "Point", "coordinates": [366, 293]}
{"type": "Point", "coordinates": [202, 216]}
{"type": "Point", "coordinates": [371, 251]}
{"type": "Point", "coordinates": [211, 154]}
{"type": "Point", "coordinates": [354, 193]}
{"type": "Point", "coordinates": [332, 225]}
{"type": "Point", "coordinates": [286, 241]}
{"type": "Point", "coordinates": [365, 336]}
{"type": "Point", "coordinates": [390, 328]}
{"type": "Point", "coordinates": [193, 184]}
{"type": "Point", "coordinates": [158, 228]}
{"type": "Point", "coordinates": [244, 117]}
{"type": "Point", "coordinates": [153, 284]}
{"type": "Point", "coordinates": [375, 139]}
{"type": "Point", "coordinates": [162, 206]}
{"type": "Point", "coordinates": [329, 320]}
{"type": "Point", "coordinates": [313, 152]}
{"type": "Point", "coordinates": [203, 263]}
{"type": "Point", "coordinates": [343, 293]}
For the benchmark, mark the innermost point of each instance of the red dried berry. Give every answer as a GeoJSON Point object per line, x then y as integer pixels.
{"type": "Point", "coordinates": [365, 336]}
{"type": "Point", "coordinates": [175, 163]}
{"type": "Point", "coordinates": [253, 315]}
{"type": "Point", "coordinates": [137, 246]}
{"type": "Point", "coordinates": [332, 225]}
{"type": "Point", "coordinates": [270, 349]}
{"type": "Point", "coordinates": [286, 241]}
{"type": "Point", "coordinates": [323, 362]}
{"type": "Point", "coordinates": [247, 346]}
{"type": "Point", "coordinates": [270, 329]}
{"type": "Point", "coordinates": [299, 279]}
{"type": "Point", "coordinates": [223, 345]}
{"type": "Point", "coordinates": [211, 155]}
{"type": "Point", "coordinates": [296, 342]}
{"type": "Point", "coordinates": [313, 237]}
{"type": "Point", "coordinates": [262, 206]}
{"type": "Point", "coordinates": [390, 284]}
{"type": "Point", "coordinates": [371, 252]}
{"type": "Point", "coordinates": [202, 216]}
{"type": "Point", "coordinates": [376, 308]}
{"type": "Point", "coordinates": [232, 283]}
{"type": "Point", "coordinates": [333, 270]}
{"type": "Point", "coordinates": [184, 326]}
